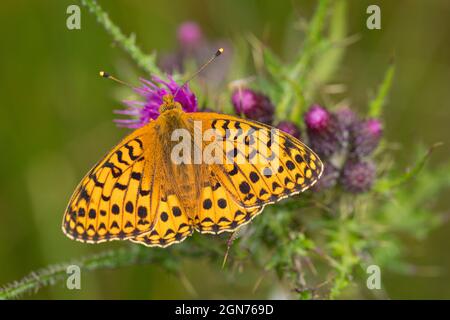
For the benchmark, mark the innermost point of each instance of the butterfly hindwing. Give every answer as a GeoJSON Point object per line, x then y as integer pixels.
{"type": "Point", "coordinates": [114, 200]}
{"type": "Point", "coordinates": [219, 212]}
{"type": "Point", "coordinates": [172, 224]}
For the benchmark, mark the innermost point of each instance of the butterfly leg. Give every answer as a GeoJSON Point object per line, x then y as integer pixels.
{"type": "Point", "coordinates": [230, 240]}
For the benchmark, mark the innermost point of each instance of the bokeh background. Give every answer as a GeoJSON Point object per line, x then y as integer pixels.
{"type": "Point", "coordinates": [56, 121]}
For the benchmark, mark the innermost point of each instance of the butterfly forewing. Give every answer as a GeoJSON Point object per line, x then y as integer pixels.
{"type": "Point", "coordinates": [275, 164]}
{"type": "Point", "coordinates": [114, 200]}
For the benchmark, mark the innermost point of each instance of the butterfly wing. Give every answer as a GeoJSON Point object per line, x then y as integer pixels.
{"type": "Point", "coordinates": [172, 223]}
{"type": "Point", "coordinates": [261, 164]}
{"type": "Point", "coordinates": [219, 212]}
{"type": "Point", "coordinates": [136, 193]}
{"type": "Point", "coordinates": [117, 199]}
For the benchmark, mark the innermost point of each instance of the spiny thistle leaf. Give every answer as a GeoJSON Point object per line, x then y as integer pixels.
{"type": "Point", "coordinates": [376, 105]}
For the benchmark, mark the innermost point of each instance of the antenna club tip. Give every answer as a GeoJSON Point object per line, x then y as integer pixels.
{"type": "Point", "coordinates": [219, 52]}
{"type": "Point", "coordinates": [104, 74]}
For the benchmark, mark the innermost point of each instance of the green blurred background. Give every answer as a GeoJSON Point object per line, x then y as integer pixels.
{"type": "Point", "coordinates": [57, 121]}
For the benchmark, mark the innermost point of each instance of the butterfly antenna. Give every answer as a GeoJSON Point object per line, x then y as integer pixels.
{"type": "Point", "coordinates": [106, 75]}
{"type": "Point", "coordinates": [218, 53]}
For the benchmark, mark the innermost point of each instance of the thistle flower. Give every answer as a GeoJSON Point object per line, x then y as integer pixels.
{"type": "Point", "coordinates": [329, 178]}
{"type": "Point", "coordinates": [365, 137]}
{"type": "Point", "coordinates": [324, 131]}
{"type": "Point", "coordinates": [289, 127]}
{"type": "Point", "coordinates": [142, 112]}
{"type": "Point", "coordinates": [253, 105]}
{"type": "Point", "coordinates": [358, 176]}
{"type": "Point", "coordinates": [189, 35]}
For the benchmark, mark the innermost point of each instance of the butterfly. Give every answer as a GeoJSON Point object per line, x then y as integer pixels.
{"type": "Point", "coordinates": [137, 192]}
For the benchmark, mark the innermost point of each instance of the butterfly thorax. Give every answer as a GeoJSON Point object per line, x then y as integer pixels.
{"type": "Point", "coordinates": [185, 177]}
{"type": "Point", "coordinates": [169, 104]}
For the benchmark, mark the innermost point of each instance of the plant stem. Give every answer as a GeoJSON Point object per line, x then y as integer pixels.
{"type": "Point", "coordinates": [128, 43]}
{"type": "Point", "coordinates": [56, 273]}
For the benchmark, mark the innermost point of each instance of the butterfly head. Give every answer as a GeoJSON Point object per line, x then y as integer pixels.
{"type": "Point", "coordinates": [169, 104]}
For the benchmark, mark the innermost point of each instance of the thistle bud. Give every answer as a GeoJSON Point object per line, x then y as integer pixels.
{"type": "Point", "coordinates": [253, 105]}
{"type": "Point", "coordinates": [324, 132]}
{"type": "Point", "coordinates": [289, 127]}
{"type": "Point", "coordinates": [358, 176]}
{"type": "Point", "coordinates": [189, 35]}
{"type": "Point", "coordinates": [346, 117]}
{"type": "Point", "coordinates": [365, 137]}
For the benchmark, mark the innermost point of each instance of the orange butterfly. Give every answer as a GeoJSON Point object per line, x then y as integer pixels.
{"type": "Point", "coordinates": [138, 192]}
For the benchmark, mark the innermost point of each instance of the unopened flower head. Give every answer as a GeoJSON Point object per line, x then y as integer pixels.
{"type": "Point", "coordinates": [324, 131]}
{"type": "Point", "coordinates": [365, 137]}
{"type": "Point", "coordinates": [143, 112]}
{"type": "Point", "coordinates": [317, 118]}
{"type": "Point", "coordinates": [189, 35]}
{"type": "Point", "coordinates": [346, 116]}
{"type": "Point", "coordinates": [358, 176]}
{"type": "Point", "coordinates": [253, 105]}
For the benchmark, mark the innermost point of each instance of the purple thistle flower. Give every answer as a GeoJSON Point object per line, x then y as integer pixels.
{"type": "Point", "coordinates": [317, 118]}
{"type": "Point", "coordinates": [189, 35]}
{"type": "Point", "coordinates": [324, 131]}
{"type": "Point", "coordinates": [365, 137]}
{"type": "Point", "coordinates": [358, 177]}
{"type": "Point", "coordinates": [142, 112]}
{"type": "Point", "coordinates": [253, 105]}
{"type": "Point", "coordinates": [289, 127]}
{"type": "Point", "coordinates": [329, 178]}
